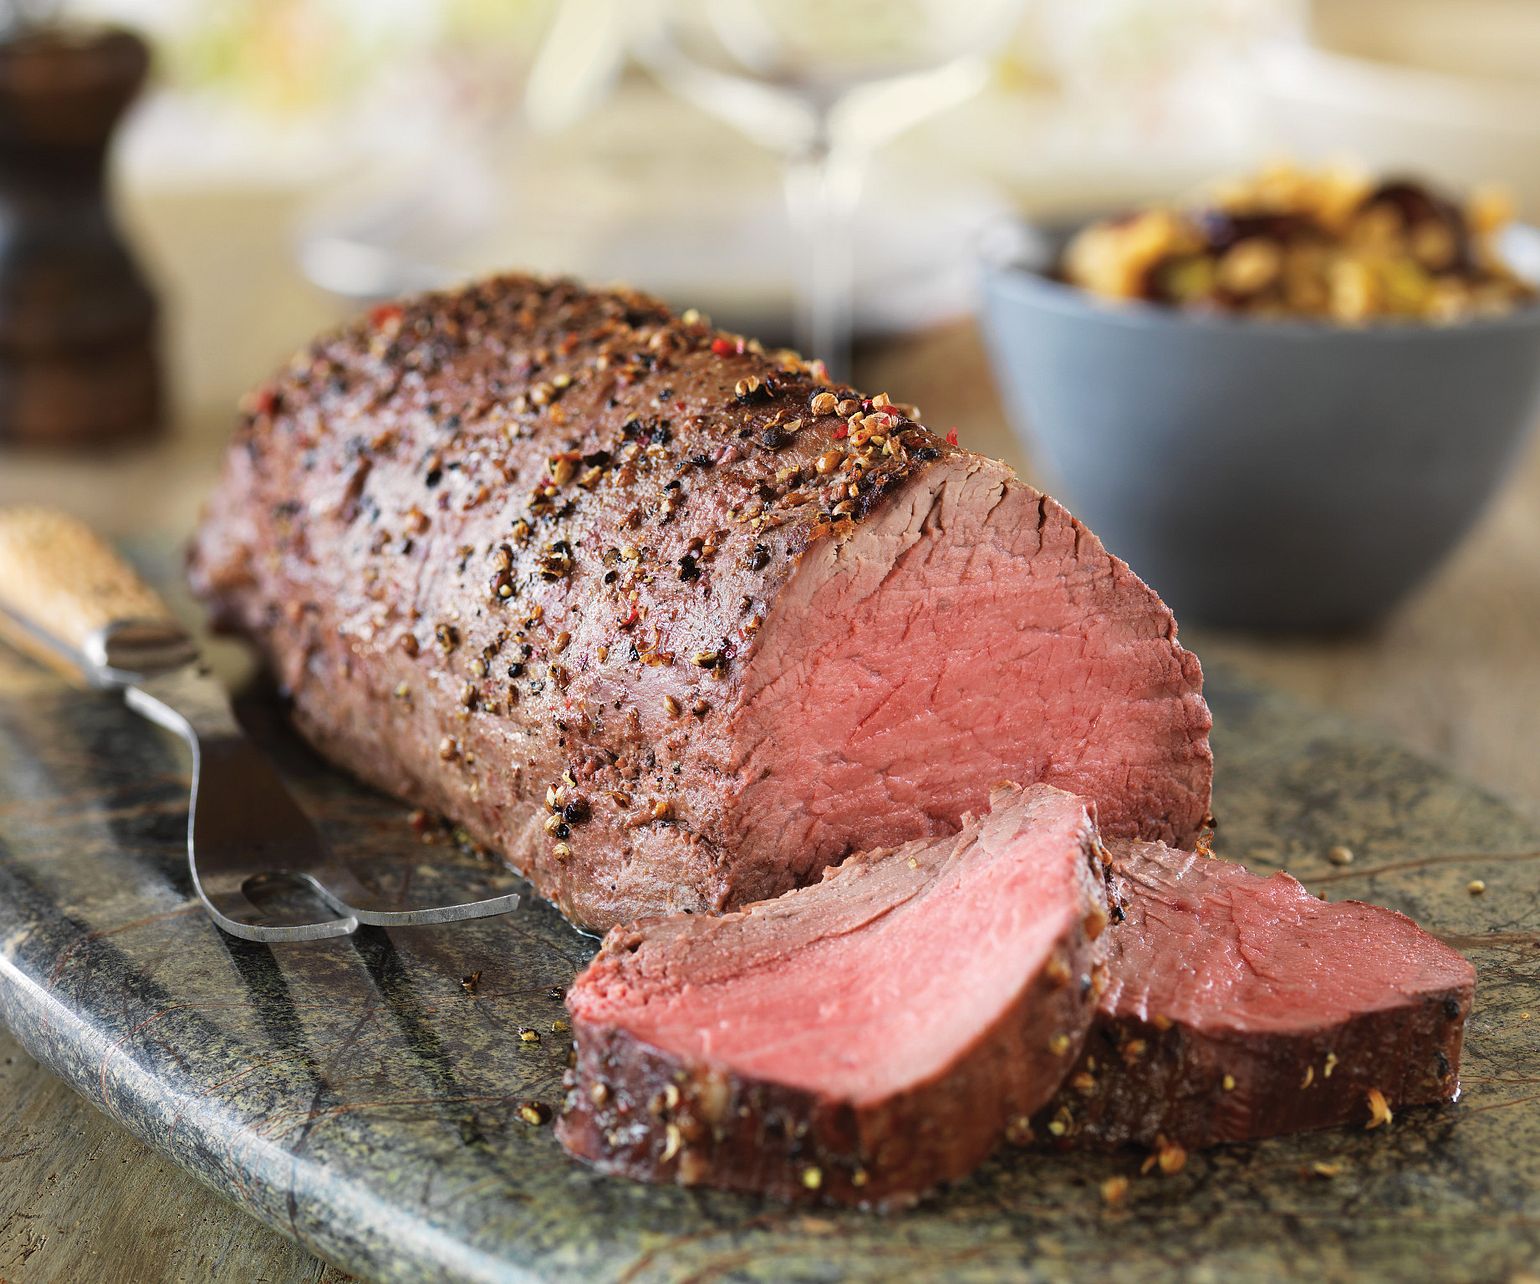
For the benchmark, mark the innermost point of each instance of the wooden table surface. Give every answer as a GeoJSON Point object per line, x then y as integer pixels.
{"type": "Point", "coordinates": [1455, 673]}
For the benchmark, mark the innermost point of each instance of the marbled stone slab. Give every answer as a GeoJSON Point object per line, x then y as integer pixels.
{"type": "Point", "coordinates": [355, 1095]}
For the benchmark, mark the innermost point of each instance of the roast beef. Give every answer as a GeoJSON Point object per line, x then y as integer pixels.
{"type": "Point", "coordinates": [1239, 1007]}
{"type": "Point", "coordinates": [859, 1040]}
{"type": "Point", "coordinates": [671, 621]}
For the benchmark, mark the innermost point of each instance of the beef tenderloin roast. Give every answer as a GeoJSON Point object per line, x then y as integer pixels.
{"type": "Point", "coordinates": [670, 621]}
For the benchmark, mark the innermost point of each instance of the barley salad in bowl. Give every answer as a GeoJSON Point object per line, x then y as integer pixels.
{"type": "Point", "coordinates": [1286, 399]}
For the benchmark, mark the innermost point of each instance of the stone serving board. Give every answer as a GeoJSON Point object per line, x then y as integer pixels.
{"type": "Point", "coordinates": [356, 1097]}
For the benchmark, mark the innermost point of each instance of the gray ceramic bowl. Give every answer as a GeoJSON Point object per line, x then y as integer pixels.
{"type": "Point", "coordinates": [1277, 475]}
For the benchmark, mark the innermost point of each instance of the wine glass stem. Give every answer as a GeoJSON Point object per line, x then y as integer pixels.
{"type": "Point", "coordinates": [823, 186]}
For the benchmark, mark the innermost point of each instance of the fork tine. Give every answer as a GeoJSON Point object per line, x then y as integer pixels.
{"type": "Point", "coordinates": [335, 883]}
{"type": "Point", "coordinates": [224, 896]}
{"type": "Point", "coordinates": [436, 914]}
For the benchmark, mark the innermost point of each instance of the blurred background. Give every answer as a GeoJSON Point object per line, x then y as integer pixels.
{"type": "Point", "coordinates": [288, 161]}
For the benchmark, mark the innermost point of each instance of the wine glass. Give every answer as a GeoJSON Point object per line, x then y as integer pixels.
{"type": "Point", "coordinates": [825, 83]}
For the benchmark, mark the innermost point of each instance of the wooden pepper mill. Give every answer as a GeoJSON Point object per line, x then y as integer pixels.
{"type": "Point", "coordinates": [78, 363]}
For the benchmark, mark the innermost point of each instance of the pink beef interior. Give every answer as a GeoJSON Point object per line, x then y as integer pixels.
{"type": "Point", "coordinates": [1213, 946]}
{"type": "Point", "coordinates": [971, 632]}
{"type": "Point", "coordinates": [873, 980]}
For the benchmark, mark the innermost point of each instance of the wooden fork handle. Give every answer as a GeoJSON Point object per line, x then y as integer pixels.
{"type": "Point", "coordinates": [69, 599]}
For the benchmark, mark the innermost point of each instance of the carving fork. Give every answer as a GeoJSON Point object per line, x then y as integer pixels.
{"type": "Point", "coordinates": [66, 597]}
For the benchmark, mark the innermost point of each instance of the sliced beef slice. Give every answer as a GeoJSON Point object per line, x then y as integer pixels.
{"type": "Point", "coordinates": [670, 621]}
{"type": "Point", "coordinates": [1239, 1007]}
{"type": "Point", "coordinates": [858, 1040]}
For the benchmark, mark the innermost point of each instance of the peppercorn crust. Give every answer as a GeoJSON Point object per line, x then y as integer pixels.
{"type": "Point", "coordinates": [511, 547]}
